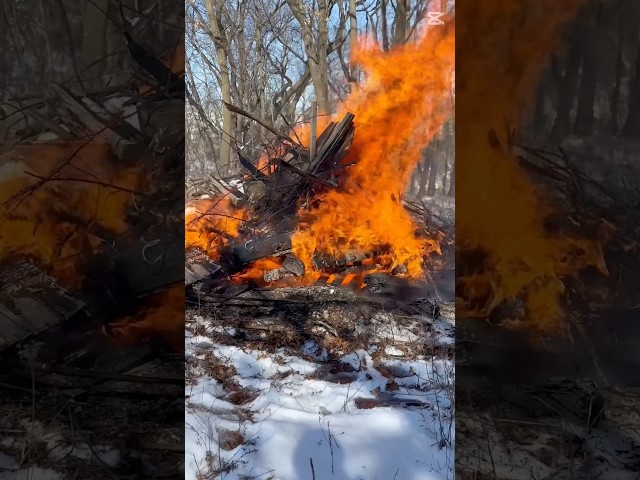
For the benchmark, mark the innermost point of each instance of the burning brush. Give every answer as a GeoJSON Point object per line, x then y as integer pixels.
{"type": "Point", "coordinates": [338, 216]}
{"type": "Point", "coordinates": [512, 268]}
{"type": "Point", "coordinates": [67, 209]}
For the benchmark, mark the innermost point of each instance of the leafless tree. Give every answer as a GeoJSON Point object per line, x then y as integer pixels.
{"type": "Point", "coordinates": [270, 58]}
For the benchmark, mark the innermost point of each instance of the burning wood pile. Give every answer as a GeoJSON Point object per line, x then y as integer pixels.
{"type": "Point", "coordinates": [249, 235]}
{"type": "Point", "coordinates": [273, 194]}
{"type": "Point", "coordinates": [329, 208]}
{"type": "Point", "coordinates": [89, 308]}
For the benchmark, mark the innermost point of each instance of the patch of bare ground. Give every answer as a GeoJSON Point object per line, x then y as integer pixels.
{"type": "Point", "coordinates": [581, 433]}
{"type": "Point", "coordinates": [339, 320]}
{"type": "Point", "coordinates": [83, 437]}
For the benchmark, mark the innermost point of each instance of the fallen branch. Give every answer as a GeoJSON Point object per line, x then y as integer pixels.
{"type": "Point", "coordinates": [244, 113]}
{"type": "Point", "coordinates": [85, 180]}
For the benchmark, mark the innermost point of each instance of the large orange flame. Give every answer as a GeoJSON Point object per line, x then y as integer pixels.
{"type": "Point", "coordinates": [398, 111]}
{"type": "Point", "coordinates": [162, 315]}
{"type": "Point", "coordinates": [59, 202]}
{"type": "Point", "coordinates": [506, 46]}
{"type": "Point", "coordinates": [211, 224]}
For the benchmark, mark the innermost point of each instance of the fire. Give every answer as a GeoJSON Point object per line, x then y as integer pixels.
{"type": "Point", "coordinates": [398, 111]}
{"type": "Point", "coordinates": [59, 202]}
{"type": "Point", "coordinates": [211, 224]}
{"type": "Point", "coordinates": [174, 60]}
{"type": "Point", "coordinates": [263, 165]}
{"type": "Point", "coordinates": [256, 273]}
{"type": "Point", "coordinates": [507, 45]}
{"type": "Point", "coordinates": [162, 316]}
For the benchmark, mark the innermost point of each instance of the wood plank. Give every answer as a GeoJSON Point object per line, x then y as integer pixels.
{"type": "Point", "coordinates": [334, 143]}
{"type": "Point", "coordinates": [196, 272]}
{"type": "Point", "coordinates": [150, 267]}
{"type": "Point", "coordinates": [261, 248]}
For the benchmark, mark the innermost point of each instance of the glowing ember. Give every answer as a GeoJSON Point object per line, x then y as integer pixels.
{"type": "Point", "coordinates": [507, 45]}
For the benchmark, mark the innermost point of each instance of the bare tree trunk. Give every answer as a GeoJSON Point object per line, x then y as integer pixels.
{"type": "Point", "coordinates": [47, 43]}
{"type": "Point", "coordinates": [632, 125]}
{"type": "Point", "coordinates": [384, 27]}
{"type": "Point", "coordinates": [259, 131]}
{"type": "Point", "coordinates": [445, 175]}
{"type": "Point", "coordinates": [435, 154]}
{"type": "Point", "coordinates": [615, 94]}
{"type": "Point", "coordinates": [400, 22]}
{"type": "Point", "coordinates": [423, 177]}
{"type": "Point", "coordinates": [215, 24]}
{"type": "Point", "coordinates": [568, 84]}
{"type": "Point", "coordinates": [539, 115]}
{"type": "Point", "coordinates": [94, 37]}
{"type": "Point", "coordinates": [452, 181]}
{"type": "Point", "coordinates": [431, 184]}
{"type": "Point", "coordinates": [589, 80]}
{"type": "Point", "coordinates": [320, 81]}
{"type": "Point", "coordinates": [316, 47]}
{"type": "Point", "coordinates": [353, 37]}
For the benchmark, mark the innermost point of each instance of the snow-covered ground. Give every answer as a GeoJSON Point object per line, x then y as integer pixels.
{"type": "Point", "coordinates": [279, 414]}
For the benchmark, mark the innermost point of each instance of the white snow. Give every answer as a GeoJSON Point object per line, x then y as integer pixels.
{"type": "Point", "coordinates": [47, 137]}
{"type": "Point", "coordinates": [302, 416]}
{"type": "Point", "coordinates": [122, 106]}
{"type": "Point", "coordinates": [58, 447]}
{"type": "Point", "coordinates": [12, 170]}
